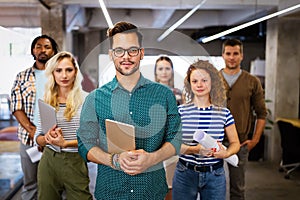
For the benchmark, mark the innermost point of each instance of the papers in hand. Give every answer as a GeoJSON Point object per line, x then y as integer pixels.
{"type": "Point", "coordinates": [208, 142]}
{"type": "Point", "coordinates": [34, 154]}
{"type": "Point", "coordinates": [120, 136]}
{"type": "Point", "coordinates": [48, 118]}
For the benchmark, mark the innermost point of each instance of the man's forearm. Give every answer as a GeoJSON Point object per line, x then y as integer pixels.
{"type": "Point", "coordinates": [98, 156]}
{"type": "Point", "coordinates": [259, 128]}
{"type": "Point", "coordinates": [24, 121]}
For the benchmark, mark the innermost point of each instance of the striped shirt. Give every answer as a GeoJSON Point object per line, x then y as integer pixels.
{"type": "Point", "coordinates": [23, 98]}
{"type": "Point", "coordinates": [69, 128]}
{"type": "Point", "coordinates": [211, 120]}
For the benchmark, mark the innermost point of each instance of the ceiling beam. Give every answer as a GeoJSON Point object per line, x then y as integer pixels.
{"type": "Point", "coordinates": [161, 17]}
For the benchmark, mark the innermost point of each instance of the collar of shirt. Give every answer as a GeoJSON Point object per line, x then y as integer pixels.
{"type": "Point", "coordinates": [142, 82]}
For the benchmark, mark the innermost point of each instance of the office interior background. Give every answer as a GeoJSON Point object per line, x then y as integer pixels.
{"type": "Point", "coordinates": [271, 47]}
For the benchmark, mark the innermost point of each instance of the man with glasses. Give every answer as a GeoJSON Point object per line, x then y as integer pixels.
{"type": "Point", "coordinates": [148, 106]}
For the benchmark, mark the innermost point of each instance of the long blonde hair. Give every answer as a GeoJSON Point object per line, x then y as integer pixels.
{"type": "Point", "coordinates": [75, 97]}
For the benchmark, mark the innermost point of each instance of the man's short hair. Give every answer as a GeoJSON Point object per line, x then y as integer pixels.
{"type": "Point", "coordinates": [124, 27]}
{"type": "Point", "coordinates": [52, 41]}
{"type": "Point", "coordinates": [232, 42]}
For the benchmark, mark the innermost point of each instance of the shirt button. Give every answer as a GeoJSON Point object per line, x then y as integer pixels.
{"type": "Point", "coordinates": [130, 113]}
{"type": "Point", "coordinates": [131, 190]}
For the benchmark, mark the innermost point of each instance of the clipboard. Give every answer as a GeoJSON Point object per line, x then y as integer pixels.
{"type": "Point", "coordinates": [48, 118]}
{"type": "Point", "coordinates": [120, 136]}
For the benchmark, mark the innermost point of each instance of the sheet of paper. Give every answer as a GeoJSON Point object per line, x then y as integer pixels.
{"type": "Point", "coordinates": [34, 154]}
{"type": "Point", "coordinates": [208, 142]}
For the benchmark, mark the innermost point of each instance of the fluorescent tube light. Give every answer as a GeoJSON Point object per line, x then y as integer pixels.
{"type": "Point", "coordinates": [179, 22]}
{"type": "Point", "coordinates": [213, 37]}
{"type": "Point", "coordinates": [105, 13]}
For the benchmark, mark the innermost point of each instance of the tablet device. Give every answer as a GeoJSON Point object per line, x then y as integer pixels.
{"type": "Point", "coordinates": [120, 136]}
{"type": "Point", "coordinates": [48, 118]}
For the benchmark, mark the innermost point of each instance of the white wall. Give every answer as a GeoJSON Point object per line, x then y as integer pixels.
{"type": "Point", "coordinates": [181, 64]}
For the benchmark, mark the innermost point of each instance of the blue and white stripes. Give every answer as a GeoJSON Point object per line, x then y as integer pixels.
{"type": "Point", "coordinates": [212, 120]}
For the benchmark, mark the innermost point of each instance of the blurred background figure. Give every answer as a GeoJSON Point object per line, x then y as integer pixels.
{"type": "Point", "coordinates": [246, 101]}
{"type": "Point", "coordinates": [164, 74]}
{"type": "Point", "coordinates": [27, 88]}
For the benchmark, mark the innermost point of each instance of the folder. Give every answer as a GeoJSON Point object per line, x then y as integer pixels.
{"type": "Point", "coordinates": [120, 136]}
{"type": "Point", "coordinates": [48, 118]}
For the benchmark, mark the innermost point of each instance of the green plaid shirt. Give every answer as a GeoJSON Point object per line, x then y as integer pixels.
{"type": "Point", "coordinates": [152, 109]}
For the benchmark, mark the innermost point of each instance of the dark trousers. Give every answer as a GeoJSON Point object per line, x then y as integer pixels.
{"type": "Point", "coordinates": [237, 175]}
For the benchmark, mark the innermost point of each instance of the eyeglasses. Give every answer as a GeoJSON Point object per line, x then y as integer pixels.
{"type": "Point", "coordinates": [132, 51]}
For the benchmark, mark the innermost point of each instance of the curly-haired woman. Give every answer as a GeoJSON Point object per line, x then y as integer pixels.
{"type": "Point", "coordinates": [199, 170]}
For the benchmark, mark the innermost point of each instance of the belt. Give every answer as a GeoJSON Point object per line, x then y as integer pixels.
{"type": "Point", "coordinates": [203, 168]}
{"type": "Point", "coordinates": [61, 154]}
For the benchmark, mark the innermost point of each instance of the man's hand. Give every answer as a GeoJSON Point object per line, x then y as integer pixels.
{"type": "Point", "coordinates": [31, 130]}
{"type": "Point", "coordinates": [135, 162]}
{"type": "Point", "coordinates": [250, 144]}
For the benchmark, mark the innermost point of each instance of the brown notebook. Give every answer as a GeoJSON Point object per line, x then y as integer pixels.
{"type": "Point", "coordinates": [120, 136]}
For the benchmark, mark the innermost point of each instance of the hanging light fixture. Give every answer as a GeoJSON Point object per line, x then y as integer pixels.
{"type": "Point", "coordinates": [179, 22]}
{"type": "Point", "coordinates": [105, 13]}
{"type": "Point", "coordinates": [221, 34]}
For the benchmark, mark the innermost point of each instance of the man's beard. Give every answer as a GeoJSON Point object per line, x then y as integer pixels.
{"type": "Point", "coordinates": [43, 59]}
{"type": "Point", "coordinates": [133, 70]}
{"type": "Point", "coordinates": [232, 66]}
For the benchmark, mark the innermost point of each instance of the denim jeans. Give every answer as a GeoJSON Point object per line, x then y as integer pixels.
{"type": "Point", "coordinates": [188, 183]}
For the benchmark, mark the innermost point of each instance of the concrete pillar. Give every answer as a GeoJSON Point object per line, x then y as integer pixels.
{"type": "Point", "coordinates": [282, 76]}
{"type": "Point", "coordinates": [53, 23]}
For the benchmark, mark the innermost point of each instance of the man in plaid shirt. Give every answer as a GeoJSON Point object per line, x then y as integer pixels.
{"type": "Point", "coordinates": [28, 87]}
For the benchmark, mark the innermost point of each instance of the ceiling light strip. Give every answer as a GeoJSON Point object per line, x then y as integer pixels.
{"type": "Point", "coordinates": [221, 34]}
{"type": "Point", "coordinates": [179, 22]}
{"type": "Point", "coordinates": [105, 13]}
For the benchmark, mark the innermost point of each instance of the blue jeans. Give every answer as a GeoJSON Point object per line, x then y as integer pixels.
{"type": "Point", "coordinates": [188, 183]}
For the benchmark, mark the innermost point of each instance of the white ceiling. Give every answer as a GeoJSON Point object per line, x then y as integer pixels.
{"type": "Point", "coordinates": [86, 14]}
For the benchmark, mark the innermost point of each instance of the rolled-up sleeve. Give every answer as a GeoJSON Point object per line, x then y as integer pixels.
{"type": "Point", "coordinates": [88, 131]}
{"type": "Point", "coordinates": [16, 97]}
{"type": "Point", "coordinates": [173, 125]}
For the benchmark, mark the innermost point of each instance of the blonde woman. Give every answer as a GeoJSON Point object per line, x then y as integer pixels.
{"type": "Point", "coordinates": [200, 171]}
{"type": "Point", "coordinates": [64, 170]}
